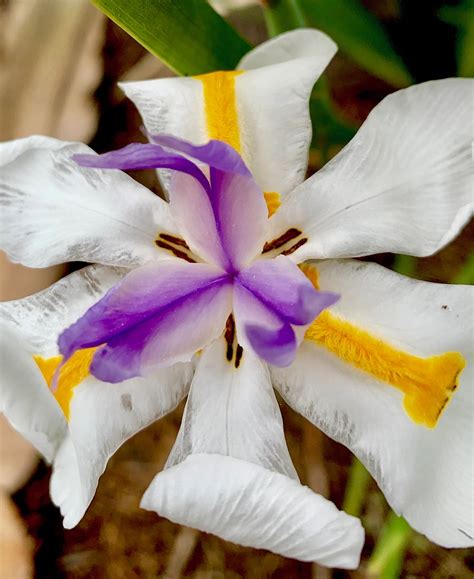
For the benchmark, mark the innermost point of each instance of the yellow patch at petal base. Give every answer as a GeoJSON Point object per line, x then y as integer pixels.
{"type": "Point", "coordinates": [428, 383]}
{"type": "Point", "coordinates": [273, 201]}
{"type": "Point", "coordinates": [74, 371]}
{"type": "Point", "coordinates": [222, 119]}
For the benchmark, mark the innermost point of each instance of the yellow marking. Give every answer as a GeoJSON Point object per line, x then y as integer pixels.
{"type": "Point", "coordinates": [428, 383]}
{"type": "Point", "coordinates": [311, 273]}
{"type": "Point", "coordinates": [71, 374]}
{"type": "Point", "coordinates": [273, 201]}
{"type": "Point", "coordinates": [222, 119]}
{"type": "Point", "coordinates": [221, 106]}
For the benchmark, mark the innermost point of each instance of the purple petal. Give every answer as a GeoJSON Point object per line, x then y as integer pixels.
{"type": "Point", "coordinates": [193, 213]}
{"type": "Point", "coordinates": [143, 156]}
{"type": "Point", "coordinates": [277, 347]}
{"type": "Point", "coordinates": [216, 154]}
{"type": "Point", "coordinates": [158, 314]}
{"type": "Point", "coordinates": [283, 287]}
{"type": "Point", "coordinates": [241, 216]}
{"type": "Point", "coordinates": [239, 207]}
{"type": "Point", "coordinates": [262, 330]}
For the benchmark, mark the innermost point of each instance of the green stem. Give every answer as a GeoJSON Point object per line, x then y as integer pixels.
{"type": "Point", "coordinates": [466, 274]}
{"type": "Point", "coordinates": [282, 15]}
{"type": "Point", "coordinates": [405, 264]}
{"type": "Point", "coordinates": [387, 558]}
{"type": "Point", "coordinates": [356, 487]}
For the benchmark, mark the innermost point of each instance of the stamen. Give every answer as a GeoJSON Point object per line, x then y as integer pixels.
{"type": "Point", "coordinates": [174, 251]}
{"type": "Point", "coordinates": [284, 238]}
{"type": "Point", "coordinates": [238, 355]}
{"type": "Point", "coordinates": [229, 336]}
{"type": "Point", "coordinates": [294, 247]}
{"type": "Point", "coordinates": [232, 345]}
{"type": "Point", "coordinates": [173, 239]}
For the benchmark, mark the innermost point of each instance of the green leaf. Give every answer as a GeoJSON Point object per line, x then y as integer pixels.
{"type": "Point", "coordinates": [187, 35]}
{"type": "Point", "coordinates": [330, 131]}
{"type": "Point", "coordinates": [462, 16]}
{"type": "Point", "coordinates": [386, 561]}
{"type": "Point", "coordinates": [359, 35]}
{"type": "Point", "coordinates": [282, 15]}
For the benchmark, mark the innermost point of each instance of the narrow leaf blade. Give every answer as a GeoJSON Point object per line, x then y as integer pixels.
{"type": "Point", "coordinates": [189, 36]}
{"type": "Point", "coordinates": [359, 35]}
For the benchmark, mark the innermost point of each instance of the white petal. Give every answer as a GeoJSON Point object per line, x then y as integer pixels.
{"type": "Point", "coordinates": [272, 102]}
{"type": "Point", "coordinates": [25, 399]}
{"type": "Point", "coordinates": [173, 106]}
{"type": "Point", "coordinates": [403, 184]}
{"type": "Point", "coordinates": [55, 211]}
{"type": "Point", "coordinates": [427, 475]}
{"type": "Point", "coordinates": [233, 411]}
{"type": "Point", "coordinates": [226, 472]}
{"type": "Point", "coordinates": [247, 504]}
{"type": "Point", "coordinates": [41, 317]}
{"type": "Point", "coordinates": [102, 417]}
{"type": "Point", "coordinates": [270, 98]}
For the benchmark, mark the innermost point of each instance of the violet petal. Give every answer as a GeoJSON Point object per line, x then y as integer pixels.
{"type": "Point", "coordinates": [283, 287]}
{"type": "Point", "coordinates": [215, 153]}
{"type": "Point", "coordinates": [261, 329]}
{"type": "Point", "coordinates": [138, 156]}
{"type": "Point", "coordinates": [155, 316]}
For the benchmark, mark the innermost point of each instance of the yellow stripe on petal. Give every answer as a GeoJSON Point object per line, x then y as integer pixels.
{"type": "Point", "coordinates": [71, 374]}
{"type": "Point", "coordinates": [220, 104]}
{"type": "Point", "coordinates": [428, 383]}
{"type": "Point", "coordinates": [222, 119]}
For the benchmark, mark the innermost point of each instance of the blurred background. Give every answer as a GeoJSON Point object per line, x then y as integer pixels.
{"type": "Point", "coordinates": [60, 62]}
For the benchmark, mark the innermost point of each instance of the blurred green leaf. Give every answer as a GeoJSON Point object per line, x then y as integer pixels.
{"type": "Point", "coordinates": [282, 15]}
{"type": "Point", "coordinates": [187, 35]}
{"type": "Point", "coordinates": [466, 273]}
{"type": "Point", "coordinates": [330, 131]}
{"type": "Point", "coordinates": [386, 561]}
{"type": "Point", "coordinates": [359, 35]}
{"type": "Point", "coordinates": [405, 264]}
{"type": "Point", "coordinates": [462, 16]}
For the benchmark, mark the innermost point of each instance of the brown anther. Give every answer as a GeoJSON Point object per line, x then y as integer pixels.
{"type": "Point", "coordinates": [174, 251]}
{"type": "Point", "coordinates": [173, 239]}
{"type": "Point", "coordinates": [238, 355]}
{"type": "Point", "coordinates": [229, 336]}
{"type": "Point", "coordinates": [294, 247]}
{"type": "Point", "coordinates": [279, 241]}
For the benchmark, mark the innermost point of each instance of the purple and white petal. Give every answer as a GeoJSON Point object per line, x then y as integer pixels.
{"type": "Point", "coordinates": [54, 211]}
{"type": "Point", "coordinates": [426, 474]}
{"type": "Point", "coordinates": [215, 154]}
{"type": "Point", "coordinates": [283, 287]}
{"type": "Point", "coordinates": [241, 216]}
{"type": "Point", "coordinates": [404, 184]}
{"type": "Point", "coordinates": [157, 315]}
{"type": "Point", "coordinates": [41, 317]}
{"type": "Point", "coordinates": [194, 216]}
{"type": "Point", "coordinates": [138, 156]}
{"type": "Point", "coordinates": [244, 488]}
{"type": "Point", "coordinates": [261, 330]}
{"type": "Point", "coordinates": [238, 204]}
